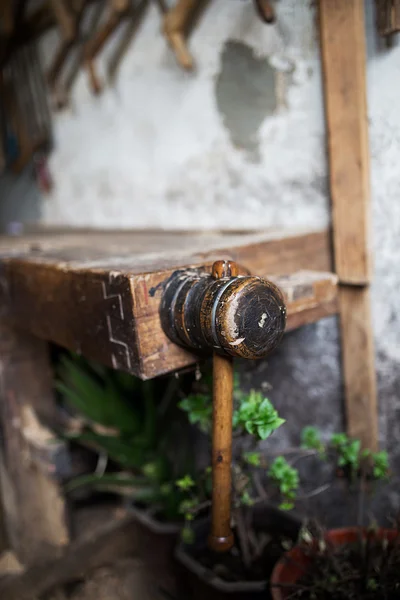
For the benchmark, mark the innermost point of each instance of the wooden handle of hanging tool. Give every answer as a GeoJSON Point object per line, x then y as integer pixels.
{"type": "Point", "coordinates": [174, 27]}
{"type": "Point", "coordinates": [119, 9]}
{"type": "Point", "coordinates": [65, 19]}
{"type": "Point", "coordinates": [221, 537]}
{"type": "Point", "coordinates": [265, 10]}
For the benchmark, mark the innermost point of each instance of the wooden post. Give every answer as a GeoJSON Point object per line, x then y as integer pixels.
{"type": "Point", "coordinates": [342, 30]}
{"type": "Point", "coordinates": [33, 505]}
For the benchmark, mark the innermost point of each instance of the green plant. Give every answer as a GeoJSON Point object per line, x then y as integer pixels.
{"type": "Point", "coordinates": [311, 439]}
{"type": "Point", "coordinates": [287, 479]}
{"type": "Point", "coordinates": [348, 451]}
{"type": "Point", "coordinates": [257, 416]}
{"type": "Point", "coordinates": [254, 416]}
{"type": "Point", "coordinates": [199, 410]}
{"type": "Point", "coordinates": [254, 477]}
{"type": "Point", "coordinates": [120, 419]}
{"type": "Point", "coordinates": [380, 463]}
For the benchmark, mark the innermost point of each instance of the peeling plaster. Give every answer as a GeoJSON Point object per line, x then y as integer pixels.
{"type": "Point", "coordinates": [246, 94]}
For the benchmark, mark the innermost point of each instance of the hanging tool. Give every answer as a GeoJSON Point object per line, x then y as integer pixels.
{"type": "Point", "coordinates": [387, 17]}
{"type": "Point", "coordinates": [174, 29]}
{"type": "Point", "coordinates": [265, 10]}
{"type": "Point", "coordinates": [26, 113]}
{"type": "Point", "coordinates": [67, 15]}
{"type": "Point", "coordinates": [229, 314]}
{"type": "Point", "coordinates": [177, 23]}
{"type": "Point", "coordinates": [118, 10]}
{"type": "Point", "coordinates": [131, 29]}
{"type": "Point", "coordinates": [88, 25]}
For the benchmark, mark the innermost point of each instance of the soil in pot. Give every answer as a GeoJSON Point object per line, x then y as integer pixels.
{"type": "Point", "coordinates": [215, 576]}
{"type": "Point", "coordinates": [350, 564]}
{"type": "Point", "coordinates": [230, 566]}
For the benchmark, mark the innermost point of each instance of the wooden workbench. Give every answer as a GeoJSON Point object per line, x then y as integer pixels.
{"type": "Point", "coordinates": [98, 294]}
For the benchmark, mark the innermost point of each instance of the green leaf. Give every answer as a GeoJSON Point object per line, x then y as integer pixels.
{"type": "Point", "coordinates": [339, 439]}
{"type": "Point", "coordinates": [119, 413]}
{"type": "Point", "coordinates": [120, 480]}
{"type": "Point", "coordinates": [151, 470]}
{"type": "Point", "coordinates": [252, 458]}
{"type": "Point", "coordinates": [285, 477]}
{"type": "Point", "coordinates": [286, 506]}
{"type": "Point", "coordinates": [380, 468]}
{"type": "Point", "coordinates": [249, 427]}
{"type": "Point", "coordinates": [88, 389]}
{"type": "Point", "coordinates": [257, 415]}
{"type": "Point", "coordinates": [311, 439]}
{"type": "Point", "coordinates": [246, 499]}
{"type": "Point", "coordinates": [99, 400]}
{"type": "Point", "coordinates": [187, 535]}
{"type": "Point", "coordinates": [75, 401]}
{"type": "Point", "coordinates": [199, 410]}
{"type": "Point", "coordinates": [348, 451]}
{"type": "Point", "coordinates": [127, 453]}
{"type": "Point", "coordinates": [186, 483]}
{"type": "Point", "coordinates": [188, 505]}
{"type": "Point", "coordinates": [264, 431]}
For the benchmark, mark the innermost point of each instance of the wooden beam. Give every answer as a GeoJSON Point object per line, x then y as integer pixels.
{"type": "Point", "coordinates": [342, 30]}
{"type": "Point", "coordinates": [358, 365]}
{"type": "Point", "coordinates": [309, 296]}
{"type": "Point", "coordinates": [344, 74]}
{"type": "Point", "coordinates": [33, 503]}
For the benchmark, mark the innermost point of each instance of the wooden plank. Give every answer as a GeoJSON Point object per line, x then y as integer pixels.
{"type": "Point", "coordinates": [358, 365]}
{"type": "Point", "coordinates": [34, 507]}
{"type": "Point", "coordinates": [99, 295]}
{"type": "Point", "coordinates": [309, 296]}
{"type": "Point", "coordinates": [344, 70]}
{"type": "Point", "coordinates": [342, 29]}
{"type": "Point", "coordinates": [150, 251]}
{"type": "Point", "coordinates": [114, 540]}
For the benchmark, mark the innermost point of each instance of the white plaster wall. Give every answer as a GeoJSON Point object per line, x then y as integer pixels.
{"type": "Point", "coordinates": [153, 151]}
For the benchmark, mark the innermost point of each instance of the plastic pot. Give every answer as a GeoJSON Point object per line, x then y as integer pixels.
{"type": "Point", "coordinates": [294, 563]}
{"type": "Point", "coordinates": [156, 542]}
{"type": "Point", "coordinates": [198, 582]}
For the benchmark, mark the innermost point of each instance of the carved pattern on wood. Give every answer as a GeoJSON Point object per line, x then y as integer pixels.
{"type": "Point", "coordinates": [117, 326]}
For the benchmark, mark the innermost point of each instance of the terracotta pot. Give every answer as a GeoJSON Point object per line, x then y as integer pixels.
{"type": "Point", "coordinates": [198, 582]}
{"type": "Point", "coordinates": [294, 563]}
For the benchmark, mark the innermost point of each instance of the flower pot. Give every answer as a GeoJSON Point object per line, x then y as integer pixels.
{"type": "Point", "coordinates": [197, 582]}
{"type": "Point", "coordinates": [294, 563]}
{"type": "Point", "coordinates": [156, 541]}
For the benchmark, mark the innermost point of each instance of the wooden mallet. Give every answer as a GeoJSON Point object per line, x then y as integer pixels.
{"type": "Point", "coordinates": [228, 313]}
